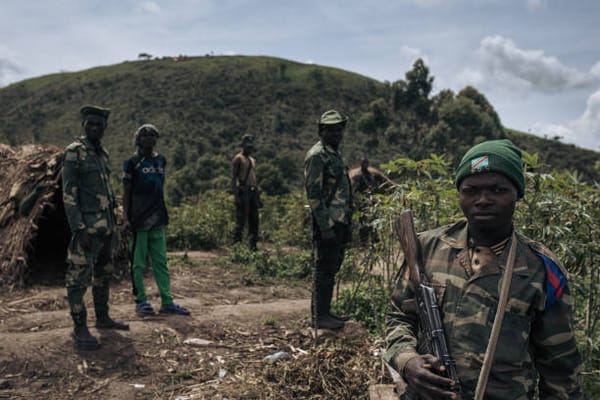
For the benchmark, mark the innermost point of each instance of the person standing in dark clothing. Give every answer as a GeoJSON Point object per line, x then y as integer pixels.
{"type": "Point", "coordinates": [245, 192]}
{"type": "Point", "coordinates": [146, 217]}
{"type": "Point", "coordinates": [330, 199]}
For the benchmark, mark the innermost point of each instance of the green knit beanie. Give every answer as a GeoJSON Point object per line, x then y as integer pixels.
{"type": "Point", "coordinates": [500, 156]}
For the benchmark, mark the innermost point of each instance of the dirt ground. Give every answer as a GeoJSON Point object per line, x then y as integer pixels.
{"type": "Point", "coordinates": [217, 353]}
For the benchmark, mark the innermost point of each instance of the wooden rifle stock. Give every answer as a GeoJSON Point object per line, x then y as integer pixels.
{"type": "Point", "coordinates": [405, 229]}
{"type": "Point", "coordinates": [430, 320]}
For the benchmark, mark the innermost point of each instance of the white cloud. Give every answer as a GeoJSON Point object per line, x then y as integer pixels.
{"type": "Point", "coordinates": [512, 67]}
{"type": "Point", "coordinates": [587, 127]}
{"type": "Point", "coordinates": [8, 71]}
{"type": "Point", "coordinates": [470, 77]}
{"type": "Point", "coordinates": [150, 7]}
{"type": "Point", "coordinates": [595, 70]}
{"type": "Point", "coordinates": [584, 131]}
{"type": "Point", "coordinates": [9, 66]}
{"type": "Point", "coordinates": [552, 131]}
{"type": "Point", "coordinates": [412, 53]}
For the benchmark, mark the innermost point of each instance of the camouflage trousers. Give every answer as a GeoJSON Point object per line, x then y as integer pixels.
{"type": "Point", "coordinates": [93, 266]}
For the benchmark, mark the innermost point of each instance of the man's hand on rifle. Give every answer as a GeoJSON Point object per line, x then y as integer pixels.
{"type": "Point", "coordinates": [420, 374]}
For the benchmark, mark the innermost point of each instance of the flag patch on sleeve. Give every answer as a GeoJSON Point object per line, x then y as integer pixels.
{"type": "Point", "coordinates": [480, 163]}
{"type": "Point", "coordinates": [556, 281]}
{"type": "Point", "coordinates": [71, 156]}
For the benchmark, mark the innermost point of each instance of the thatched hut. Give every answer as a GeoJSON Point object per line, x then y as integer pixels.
{"type": "Point", "coordinates": [34, 233]}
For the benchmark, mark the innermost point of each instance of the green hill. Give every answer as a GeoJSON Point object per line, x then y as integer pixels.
{"type": "Point", "coordinates": [203, 105]}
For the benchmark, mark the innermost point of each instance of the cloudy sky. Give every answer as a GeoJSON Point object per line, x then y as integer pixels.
{"type": "Point", "coordinates": [537, 61]}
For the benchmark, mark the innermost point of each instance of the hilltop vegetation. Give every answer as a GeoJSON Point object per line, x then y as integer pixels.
{"type": "Point", "coordinates": [203, 105]}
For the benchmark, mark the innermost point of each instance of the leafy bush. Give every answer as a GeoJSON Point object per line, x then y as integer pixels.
{"type": "Point", "coordinates": [271, 265]}
{"type": "Point", "coordinates": [202, 222]}
{"type": "Point", "coordinates": [366, 303]}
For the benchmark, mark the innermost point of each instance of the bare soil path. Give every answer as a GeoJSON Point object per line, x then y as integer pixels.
{"type": "Point", "coordinates": [237, 326]}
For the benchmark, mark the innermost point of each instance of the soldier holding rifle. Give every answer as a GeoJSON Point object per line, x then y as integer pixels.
{"type": "Point", "coordinates": [503, 298]}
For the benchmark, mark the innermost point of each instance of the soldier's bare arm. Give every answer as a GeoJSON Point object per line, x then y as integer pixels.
{"type": "Point", "coordinates": [235, 172]}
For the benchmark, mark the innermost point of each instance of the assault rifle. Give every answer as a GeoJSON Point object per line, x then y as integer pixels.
{"type": "Point", "coordinates": [430, 321]}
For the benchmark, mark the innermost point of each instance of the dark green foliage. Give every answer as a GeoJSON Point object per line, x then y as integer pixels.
{"type": "Point", "coordinates": [203, 222]}
{"type": "Point", "coordinates": [414, 93]}
{"type": "Point", "coordinates": [367, 305]}
{"type": "Point", "coordinates": [286, 220]}
{"type": "Point", "coordinates": [271, 265]}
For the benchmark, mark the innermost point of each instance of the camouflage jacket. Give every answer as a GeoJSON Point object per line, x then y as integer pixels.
{"type": "Point", "coordinates": [327, 186]}
{"type": "Point", "coordinates": [536, 343]}
{"type": "Point", "coordinates": [87, 194]}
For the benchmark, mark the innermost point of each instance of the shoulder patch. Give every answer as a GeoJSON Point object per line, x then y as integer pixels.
{"type": "Point", "coordinates": [74, 146]}
{"type": "Point", "coordinates": [556, 280]}
{"type": "Point", "coordinates": [71, 155]}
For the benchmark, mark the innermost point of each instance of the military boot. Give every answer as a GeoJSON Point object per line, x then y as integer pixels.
{"type": "Point", "coordinates": [339, 317]}
{"type": "Point", "coordinates": [104, 321]}
{"type": "Point", "coordinates": [324, 287]}
{"type": "Point", "coordinates": [82, 338]}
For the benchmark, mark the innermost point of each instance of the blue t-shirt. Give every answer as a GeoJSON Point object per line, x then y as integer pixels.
{"type": "Point", "coordinates": [147, 177]}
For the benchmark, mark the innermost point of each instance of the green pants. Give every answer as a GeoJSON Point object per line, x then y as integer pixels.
{"type": "Point", "coordinates": [151, 245]}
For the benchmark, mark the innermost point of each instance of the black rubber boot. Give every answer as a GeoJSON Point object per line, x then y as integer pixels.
{"type": "Point", "coordinates": [339, 317]}
{"type": "Point", "coordinates": [328, 322]}
{"type": "Point", "coordinates": [104, 321]}
{"type": "Point", "coordinates": [324, 287]}
{"type": "Point", "coordinates": [82, 338]}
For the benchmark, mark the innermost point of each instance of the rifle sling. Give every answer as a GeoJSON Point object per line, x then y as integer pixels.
{"type": "Point", "coordinates": [494, 335]}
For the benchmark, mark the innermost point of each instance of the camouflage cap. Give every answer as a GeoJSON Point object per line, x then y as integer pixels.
{"type": "Point", "coordinates": [332, 117]}
{"type": "Point", "coordinates": [248, 140]}
{"type": "Point", "coordinates": [94, 110]}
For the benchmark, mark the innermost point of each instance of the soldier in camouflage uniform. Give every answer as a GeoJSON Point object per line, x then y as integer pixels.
{"type": "Point", "coordinates": [464, 263]}
{"type": "Point", "coordinates": [330, 198]}
{"type": "Point", "coordinates": [89, 205]}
